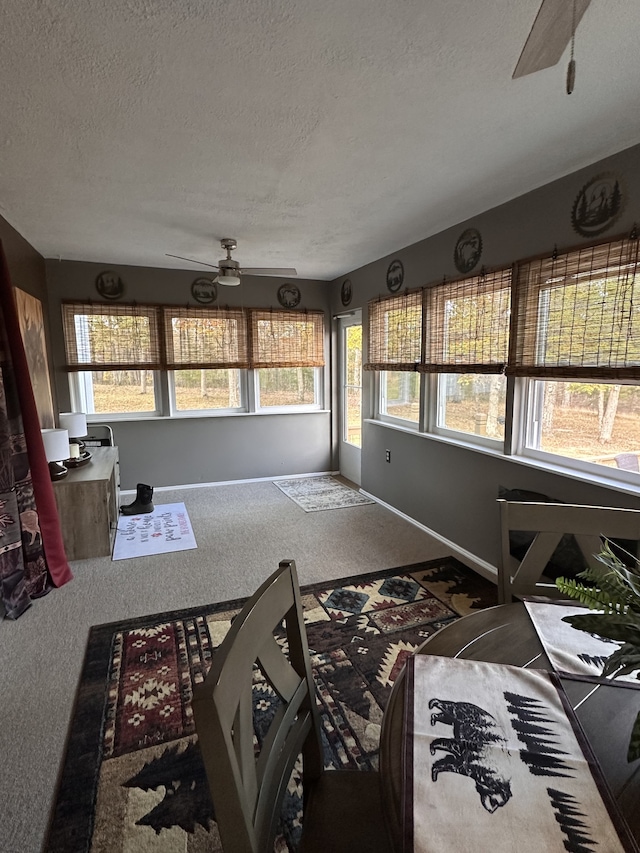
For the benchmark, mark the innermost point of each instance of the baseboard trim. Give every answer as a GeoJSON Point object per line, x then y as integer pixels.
{"type": "Point", "coordinates": [474, 562]}
{"type": "Point", "coordinates": [157, 489]}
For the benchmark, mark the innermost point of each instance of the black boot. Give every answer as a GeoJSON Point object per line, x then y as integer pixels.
{"type": "Point", "coordinates": [142, 502]}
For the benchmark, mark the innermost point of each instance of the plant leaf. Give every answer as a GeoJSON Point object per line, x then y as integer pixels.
{"type": "Point", "coordinates": [633, 752]}
{"type": "Point", "coordinates": [618, 627]}
{"type": "Point", "coordinates": [623, 661]}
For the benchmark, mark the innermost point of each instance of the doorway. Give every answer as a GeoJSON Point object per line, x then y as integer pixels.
{"type": "Point", "coordinates": [350, 329]}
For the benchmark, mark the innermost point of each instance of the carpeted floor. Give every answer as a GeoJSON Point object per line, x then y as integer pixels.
{"type": "Point", "coordinates": [133, 779]}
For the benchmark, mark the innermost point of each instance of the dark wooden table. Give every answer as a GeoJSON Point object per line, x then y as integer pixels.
{"type": "Point", "coordinates": [505, 634]}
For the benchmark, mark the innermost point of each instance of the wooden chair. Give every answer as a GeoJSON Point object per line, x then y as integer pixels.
{"type": "Point", "coordinates": [549, 523]}
{"type": "Point", "coordinates": [342, 809]}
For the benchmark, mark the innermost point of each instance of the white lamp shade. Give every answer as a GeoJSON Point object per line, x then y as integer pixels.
{"type": "Point", "coordinates": [56, 444]}
{"type": "Point", "coordinates": [74, 422]}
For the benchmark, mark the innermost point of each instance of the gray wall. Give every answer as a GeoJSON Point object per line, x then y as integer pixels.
{"type": "Point", "coordinates": [449, 488]}
{"type": "Point", "coordinates": [177, 451]}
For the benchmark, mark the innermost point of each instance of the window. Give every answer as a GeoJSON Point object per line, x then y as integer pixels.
{"type": "Point", "coordinates": [206, 349]}
{"type": "Point", "coordinates": [113, 351]}
{"type": "Point", "coordinates": [467, 342]}
{"type": "Point", "coordinates": [395, 349]}
{"type": "Point", "coordinates": [577, 347]}
{"type": "Point", "coordinates": [472, 403]}
{"type": "Point", "coordinates": [285, 387]}
{"type": "Point", "coordinates": [108, 392]}
{"type": "Point", "coordinates": [400, 395]}
{"type": "Point", "coordinates": [458, 333]}
{"type": "Point", "coordinates": [207, 390]}
{"type": "Point", "coordinates": [584, 421]}
{"type": "Point", "coordinates": [118, 355]}
{"type": "Point", "coordinates": [287, 350]}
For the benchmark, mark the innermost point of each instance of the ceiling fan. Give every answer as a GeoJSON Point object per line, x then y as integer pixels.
{"type": "Point", "coordinates": [229, 270]}
{"type": "Point", "coordinates": [552, 30]}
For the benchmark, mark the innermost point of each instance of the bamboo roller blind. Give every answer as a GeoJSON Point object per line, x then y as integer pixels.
{"type": "Point", "coordinates": [205, 338]}
{"type": "Point", "coordinates": [467, 324]}
{"type": "Point", "coordinates": [456, 327]}
{"type": "Point", "coordinates": [578, 314]}
{"type": "Point", "coordinates": [395, 332]}
{"type": "Point", "coordinates": [111, 337]}
{"type": "Point", "coordinates": [286, 338]}
{"type": "Point", "coordinates": [102, 336]}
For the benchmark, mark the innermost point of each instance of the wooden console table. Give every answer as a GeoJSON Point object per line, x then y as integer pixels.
{"type": "Point", "coordinates": [87, 500]}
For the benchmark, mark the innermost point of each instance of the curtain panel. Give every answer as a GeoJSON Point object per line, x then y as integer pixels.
{"type": "Point", "coordinates": [32, 555]}
{"type": "Point", "coordinates": [575, 314]}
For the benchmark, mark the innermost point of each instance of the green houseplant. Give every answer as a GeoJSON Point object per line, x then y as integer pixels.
{"type": "Point", "coordinates": [613, 588]}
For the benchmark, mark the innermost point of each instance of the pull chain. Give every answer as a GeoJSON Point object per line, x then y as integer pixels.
{"type": "Point", "coordinates": [571, 70]}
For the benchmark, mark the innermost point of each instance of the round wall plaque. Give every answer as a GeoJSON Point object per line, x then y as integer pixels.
{"type": "Point", "coordinates": [345, 292]}
{"type": "Point", "coordinates": [468, 250]}
{"type": "Point", "coordinates": [204, 291]}
{"type": "Point", "coordinates": [598, 204]}
{"type": "Point", "coordinates": [395, 276]}
{"type": "Point", "coordinates": [289, 295]}
{"type": "Point", "coordinates": [109, 285]}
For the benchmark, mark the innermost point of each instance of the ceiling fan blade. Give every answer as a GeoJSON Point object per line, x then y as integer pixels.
{"type": "Point", "coordinates": [192, 261]}
{"type": "Point", "coordinates": [549, 36]}
{"type": "Point", "coordinates": [278, 271]}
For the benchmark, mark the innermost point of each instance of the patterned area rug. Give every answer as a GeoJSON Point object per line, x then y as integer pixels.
{"type": "Point", "coordinates": [133, 779]}
{"type": "Point", "coordinates": [318, 493]}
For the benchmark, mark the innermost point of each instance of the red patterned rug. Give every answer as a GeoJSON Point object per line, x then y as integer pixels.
{"type": "Point", "coordinates": [133, 779]}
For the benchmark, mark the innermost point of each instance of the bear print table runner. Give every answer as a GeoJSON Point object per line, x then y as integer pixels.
{"type": "Point", "coordinates": [569, 649]}
{"type": "Point", "coordinates": [494, 760]}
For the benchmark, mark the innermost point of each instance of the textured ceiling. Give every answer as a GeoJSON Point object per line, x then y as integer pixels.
{"type": "Point", "coordinates": [321, 135]}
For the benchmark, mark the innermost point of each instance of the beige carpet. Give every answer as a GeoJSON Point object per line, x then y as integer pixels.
{"type": "Point", "coordinates": [242, 531]}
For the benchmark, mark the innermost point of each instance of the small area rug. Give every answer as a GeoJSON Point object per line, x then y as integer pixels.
{"type": "Point", "coordinates": [318, 493]}
{"type": "Point", "coordinates": [133, 778]}
{"type": "Point", "coordinates": [167, 528]}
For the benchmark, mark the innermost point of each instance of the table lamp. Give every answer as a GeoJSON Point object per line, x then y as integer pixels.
{"type": "Point", "coordinates": [76, 425]}
{"type": "Point", "coordinates": [56, 448]}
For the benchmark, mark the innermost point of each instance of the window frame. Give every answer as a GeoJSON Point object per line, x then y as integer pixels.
{"type": "Point", "coordinates": [175, 412]}
{"type": "Point", "coordinates": [384, 417]}
{"type": "Point", "coordinates": [78, 397]}
{"type": "Point", "coordinates": [435, 405]}
{"type": "Point", "coordinates": [527, 392]}
{"type": "Point", "coordinates": [318, 393]}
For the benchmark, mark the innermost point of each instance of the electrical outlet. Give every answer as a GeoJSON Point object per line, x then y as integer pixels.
{"type": "Point", "coordinates": [387, 455]}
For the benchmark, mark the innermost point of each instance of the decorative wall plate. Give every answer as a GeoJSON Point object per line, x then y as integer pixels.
{"type": "Point", "coordinates": [204, 291]}
{"type": "Point", "coordinates": [289, 295]}
{"type": "Point", "coordinates": [395, 276]}
{"type": "Point", "coordinates": [468, 250]}
{"type": "Point", "coordinates": [345, 292]}
{"type": "Point", "coordinates": [598, 204]}
{"type": "Point", "coordinates": [109, 285]}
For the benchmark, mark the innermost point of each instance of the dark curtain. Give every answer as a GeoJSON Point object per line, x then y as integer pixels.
{"type": "Point", "coordinates": [32, 556]}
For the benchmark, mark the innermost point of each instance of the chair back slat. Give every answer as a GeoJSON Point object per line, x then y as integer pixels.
{"type": "Point", "coordinates": [247, 784]}
{"type": "Point", "coordinates": [549, 522]}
